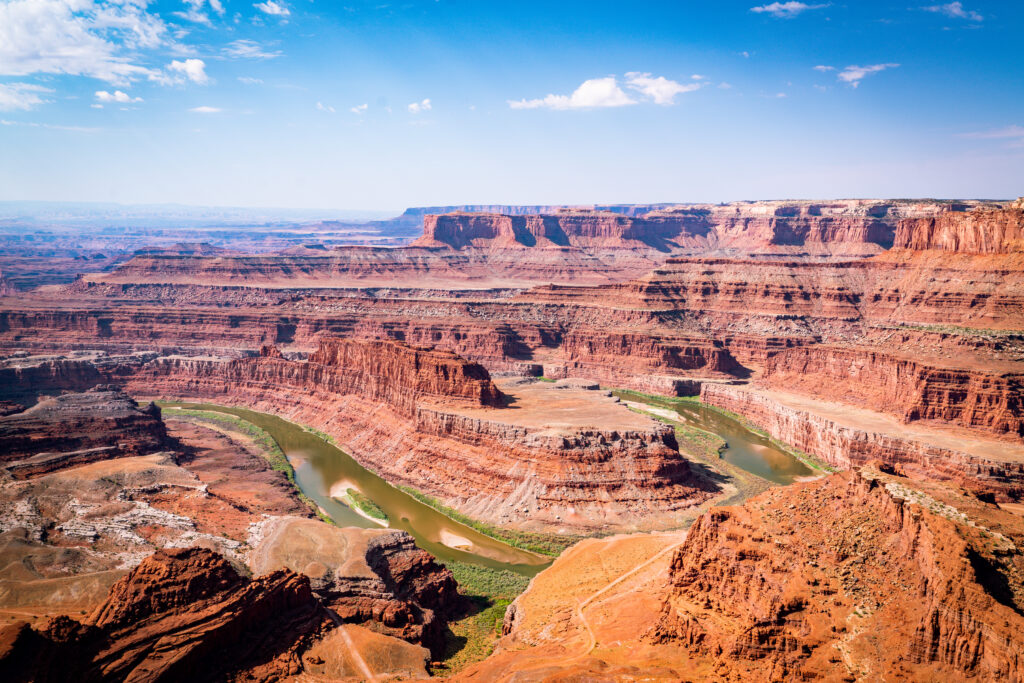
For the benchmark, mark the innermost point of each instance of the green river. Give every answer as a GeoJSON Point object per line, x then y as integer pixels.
{"type": "Point", "coordinates": [320, 467]}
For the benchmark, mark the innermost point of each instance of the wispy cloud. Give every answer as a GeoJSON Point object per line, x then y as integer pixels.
{"type": "Point", "coordinates": [249, 80]}
{"type": "Point", "coordinates": [22, 96]}
{"type": "Point", "coordinates": [955, 10]}
{"type": "Point", "coordinates": [660, 90]}
{"type": "Point", "coordinates": [205, 110]}
{"type": "Point", "coordinates": [1014, 135]}
{"type": "Point", "coordinates": [786, 10]}
{"type": "Point", "coordinates": [49, 126]}
{"type": "Point", "coordinates": [823, 67]}
{"type": "Point", "coordinates": [249, 49]}
{"type": "Point", "coordinates": [359, 109]}
{"type": "Point", "coordinates": [116, 96]}
{"type": "Point", "coordinates": [196, 11]}
{"type": "Point", "coordinates": [417, 107]}
{"type": "Point", "coordinates": [854, 74]}
{"type": "Point", "coordinates": [320, 106]}
{"type": "Point", "coordinates": [274, 9]}
{"type": "Point", "coordinates": [592, 94]}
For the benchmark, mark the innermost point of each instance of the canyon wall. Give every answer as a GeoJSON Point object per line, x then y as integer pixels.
{"type": "Point", "coordinates": [391, 371]}
{"type": "Point", "coordinates": [484, 465]}
{"type": "Point", "coordinates": [845, 575]}
{"type": "Point", "coordinates": [580, 229]}
{"type": "Point", "coordinates": [845, 447]}
{"type": "Point", "coordinates": [982, 231]}
{"type": "Point", "coordinates": [73, 429]}
{"type": "Point", "coordinates": [432, 421]}
{"type": "Point", "coordinates": [908, 388]}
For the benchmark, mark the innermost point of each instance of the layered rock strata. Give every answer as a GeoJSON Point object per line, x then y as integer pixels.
{"type": "Point", "coordinates": [982, 231]}
{"type": "Point", "coordinates": [182, 613]}
{"type": "Point", "coordinates": [472, 456]}
{"type": "Point", "coordinates": [904, 386]}
{"type": "Point", "coordinates": [844, 445]}
{"type": "Point", "coordinates": [74, 429]}
{"type": "Point", "coordinates": [846, 576]}
{"type": "Point", "coordinates": [856, 575]}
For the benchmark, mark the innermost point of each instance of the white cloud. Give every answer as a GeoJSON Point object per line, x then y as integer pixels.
{"type": "Point", "coordinates": [822, 67]}
{"type": "Point", "coordinates": [20, 96]}
{"type": "Point", "coordinates": [249, 80]}
{"type": "Point", "coordinates": [661, 90]}
{"type": "Point", "coordinates": [77, 37]}
{"type": "Point", "coordinates": [275, 9]}
{"type": "Point", "coordinates": [359, 109]}
{"type": "Point", "coordinates": [205, 110]}
{"type": "Point", "coordinates": [786, 10]}
{"type": "Point", "coordinates": [322, 107]}
{"type": "Point", "coordinates": [248, 49]}
{"type": "Point", "coordinates": [593, 93]}
{"type": "Point", "coordinates": [116, 96]}
{"type": "Point", "coordinates": [854, 74]}
{"type": "Point", "coordinates": [417, 107]}
{"type": "Point", "coordinates": [955, 10]}
{"type": "Point", "coordinates": [196, 11]}
{"type": "Point", "coordinates": [698, 77]}
{"type": "Point", "coordinates": [193, 70]}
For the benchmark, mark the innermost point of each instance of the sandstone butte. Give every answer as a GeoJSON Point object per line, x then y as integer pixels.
{"type": "Point", "coordinates": [882, 337]}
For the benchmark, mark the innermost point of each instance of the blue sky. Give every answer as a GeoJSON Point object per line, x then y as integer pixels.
{"type": "Point", "coordinates": [378, 105]}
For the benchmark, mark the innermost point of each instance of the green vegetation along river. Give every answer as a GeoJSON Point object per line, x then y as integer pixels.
{"type": "Point", "coordinates": [321, 468]}
{"type": "Point", "coordinates": [328, 476]}
{"type": "Point", "coordinates": [744, 448]}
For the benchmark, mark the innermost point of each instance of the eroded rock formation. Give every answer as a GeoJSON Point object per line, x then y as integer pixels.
{"type": "Point", "coordinates": [857, 575]}
{"type": "Point", "coordinates": [74, 429]}
{"type": "Point", "coordinates": [846, 576]}
{"type": "Point", "coordinates": [182, 613]}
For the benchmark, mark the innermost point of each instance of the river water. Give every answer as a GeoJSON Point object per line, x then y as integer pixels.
{"type": "Point", "coordinates": [321, 467]}
{"type": "Point", "coordinates": [746, 449]}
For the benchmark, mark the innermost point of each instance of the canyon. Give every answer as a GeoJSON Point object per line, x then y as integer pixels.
{"type": "Point", "coordinates": [864, 574]}
{"type": "Point", "coordinates": [881, 339]}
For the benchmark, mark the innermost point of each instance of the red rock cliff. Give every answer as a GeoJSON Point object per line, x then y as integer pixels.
{"type": "Point", "coordinates": [567, 229]}
{"type": "Point", "coordinates": [908, 388]}
{"type": "Point", "coordinates": [182, 614]}
{"type": "Point", "coordinates": [421, 372]}
{"type": "Point", "coordinates": [982, 231]}
{"type": "Point", "coordinates": [841, 576]}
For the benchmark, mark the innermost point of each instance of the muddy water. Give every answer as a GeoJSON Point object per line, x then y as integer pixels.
{"type": "Point", "coordinates": [320, 466]}
{"type": "Point", "coordinates": [746, 449]}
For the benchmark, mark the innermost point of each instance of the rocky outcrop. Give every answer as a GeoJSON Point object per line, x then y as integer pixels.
{"type": "Point", "coordinates": [74, 429]}
{"type": "Point", "coordinates": [376, 578]}
{"type": "Point", "coordinates": [844, 576]}
{"type": "Point", "coordinates": [848, 229]}
{"type": "Point", "coordinates": [386, 369]}
{"type": "Point", "coordinates": [479, 461]}
{"type": "Point", "coordinates": [845, 446]}
{"type": "Point", "coordinates": [908, 388]}
{"type": "Point", "coordinates": [182, 613]}
{"type": "Point", "coordinates": [982, 231]}
{"type": "Point", "coordinates": [562, 230]}
{"type": "Point", "coordinates": [435, 422]}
